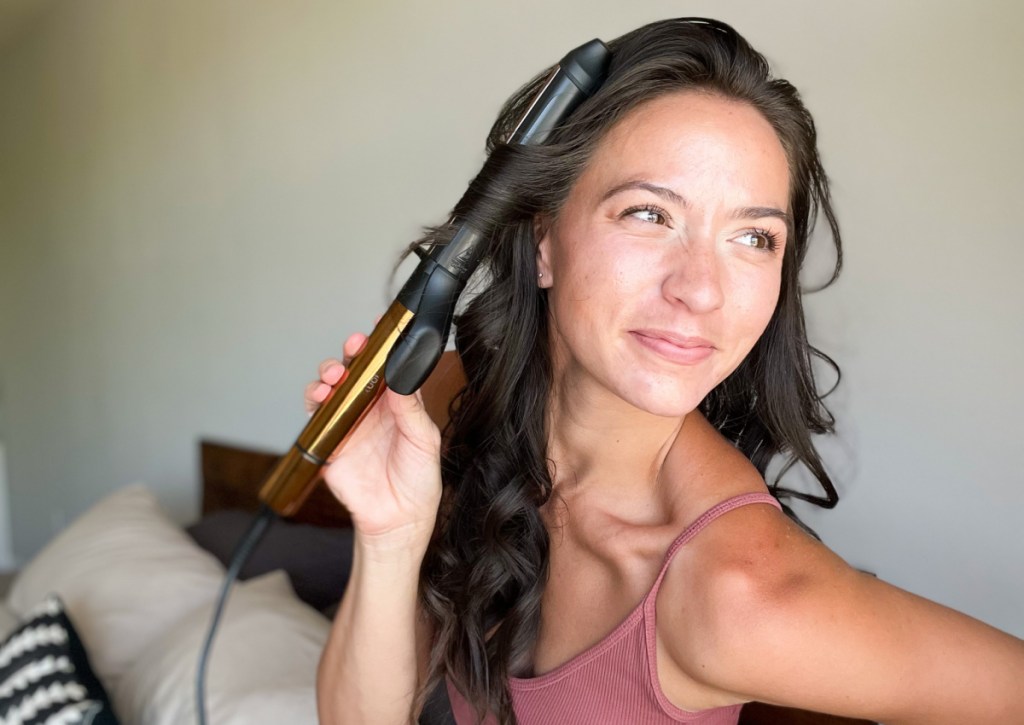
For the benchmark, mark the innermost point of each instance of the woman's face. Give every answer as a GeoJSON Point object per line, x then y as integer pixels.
{"type": "Point", "coordinates": [663, 267]}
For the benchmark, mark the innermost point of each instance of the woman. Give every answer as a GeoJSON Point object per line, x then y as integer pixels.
{"type": "Point", "coordinates": [596, 543]}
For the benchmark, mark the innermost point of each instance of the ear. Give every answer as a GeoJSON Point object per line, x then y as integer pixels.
{"type": "Point", "coordinates": [542, 232]}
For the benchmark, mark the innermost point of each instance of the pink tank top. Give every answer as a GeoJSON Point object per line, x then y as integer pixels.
{"type": "Point", "coordinates": [615, 681]}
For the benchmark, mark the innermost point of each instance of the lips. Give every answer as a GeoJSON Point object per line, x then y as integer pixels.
{"type": "Point", "coordinates": [679, 349]}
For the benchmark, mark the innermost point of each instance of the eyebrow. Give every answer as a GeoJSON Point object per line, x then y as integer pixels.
{"type": "Point", "coordinates": [759, 212]}
{"type": "Point", "coordinates": [746, 212]}
{"type": "Point", "coordinates": [662, 191]}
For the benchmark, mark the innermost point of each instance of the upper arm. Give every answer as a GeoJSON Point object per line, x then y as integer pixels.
{"type": "Point", "coordinates": [439, 390]}
{"type": "Point", "coordinates": [424, 641]}
{"type": "Point", "coordinates": [424, 634]}
{"type": "Point", "coordinates": [781, 619]}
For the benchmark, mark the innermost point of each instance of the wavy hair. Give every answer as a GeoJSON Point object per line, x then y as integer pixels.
{"type": "Point", "coordinates": [484, 573]}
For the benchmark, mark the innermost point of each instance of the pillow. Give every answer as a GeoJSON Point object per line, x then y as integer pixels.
{"type": "Point", "coordinates": [45, 675]}
{"type": "Point", "coordinates": [8, 621]}
{"type": "Point", "coordinates": [262, 667]}
{"type": "Point", "coordinates": [317, 559]}
{"type": "Point", "coordinates": [125, 573]}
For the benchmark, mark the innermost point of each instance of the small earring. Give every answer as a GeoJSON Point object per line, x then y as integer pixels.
{"type": "Point", "coordinates": [540, 275]}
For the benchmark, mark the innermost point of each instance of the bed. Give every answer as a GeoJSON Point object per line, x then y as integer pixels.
{"type": "Point", "coordinates": [134, 592]}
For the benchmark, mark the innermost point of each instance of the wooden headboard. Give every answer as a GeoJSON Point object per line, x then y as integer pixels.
{"type": "Point", "coordinates": [232, 477]}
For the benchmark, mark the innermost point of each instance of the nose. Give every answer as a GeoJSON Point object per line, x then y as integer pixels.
{"type": "Point", "coordinates": [694, 278]}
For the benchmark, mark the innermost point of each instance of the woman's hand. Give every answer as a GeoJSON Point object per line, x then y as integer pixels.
{"type": "Point", "coordinates": [387, 472]}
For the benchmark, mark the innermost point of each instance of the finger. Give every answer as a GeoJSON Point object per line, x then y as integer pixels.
{"type": "Point", "coordinates": [353, 346]}
{"type": "Point", "coordinates": [316, 393]}
{"type": "Point", "coordinates": [331, 371]}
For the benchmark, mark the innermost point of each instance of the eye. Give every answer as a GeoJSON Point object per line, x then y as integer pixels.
{"type": "Point", "coordinates": [647, 213]}
{"type": "Point", "coordinates": [759, 239]}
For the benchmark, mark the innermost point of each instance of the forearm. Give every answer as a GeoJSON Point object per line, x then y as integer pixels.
{"type": "Point", "coordinates": [368, 669]}
{"type": "Point", "coordinates": [975, 672]}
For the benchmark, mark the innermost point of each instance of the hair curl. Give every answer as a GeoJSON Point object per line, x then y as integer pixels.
{"type": "Point", "coordinates": [484, 574]}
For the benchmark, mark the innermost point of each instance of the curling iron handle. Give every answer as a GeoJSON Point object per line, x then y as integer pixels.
{"type": "Point", "coordinates": [293, 478]}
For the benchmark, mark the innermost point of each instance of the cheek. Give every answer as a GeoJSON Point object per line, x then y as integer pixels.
{"type": "Point", "coordinates": [599, 274]}
{"type": "Point", "coordinates": [757, 299]}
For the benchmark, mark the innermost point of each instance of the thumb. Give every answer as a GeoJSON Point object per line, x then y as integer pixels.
{"type": "Point", "coordinates": [412, 419]}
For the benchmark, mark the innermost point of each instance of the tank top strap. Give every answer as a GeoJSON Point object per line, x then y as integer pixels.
{"type": "Point", "coordinates": [703, 520]}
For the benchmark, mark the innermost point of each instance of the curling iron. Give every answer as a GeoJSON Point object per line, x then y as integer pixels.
{"type": "Point", "coordinates": [408, 340]}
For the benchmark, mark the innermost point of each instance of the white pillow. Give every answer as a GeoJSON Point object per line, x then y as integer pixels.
{"type": "Point", "coordinates": [8, 621]}
{"type": "Point", "coordinates": [262, 668]}
{"type": "Point", "coordinates": [125, 572]}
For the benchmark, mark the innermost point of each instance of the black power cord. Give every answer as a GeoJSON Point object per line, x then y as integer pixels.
{"type": "Point", "coordinates": [437, 709]}
{"type": "Point", "coordinates": [238, 559]}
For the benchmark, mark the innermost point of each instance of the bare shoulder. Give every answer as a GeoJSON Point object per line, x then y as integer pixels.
{"type": "Point", "coordinates": [750, 565]}
{"type": "Point", "coordinates": [755, 545]}
{"type": "Point", "coordinates": [754, 608]}
{"type": "Point", "coordinates": [704, 469]}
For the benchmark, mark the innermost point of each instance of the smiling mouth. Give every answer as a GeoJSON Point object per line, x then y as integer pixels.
{"type": "Point", "coordinates": [674, 348]}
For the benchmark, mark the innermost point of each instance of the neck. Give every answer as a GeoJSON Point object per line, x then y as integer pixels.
{"type": "Point", "coordinates": [603, 447]}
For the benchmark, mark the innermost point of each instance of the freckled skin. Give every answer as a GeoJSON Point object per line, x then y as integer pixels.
{"type": "Point", "coordinates": [691, 267]}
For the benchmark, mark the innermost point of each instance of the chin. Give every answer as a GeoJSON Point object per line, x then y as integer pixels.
{"type": "Point", "coordinates": [678, 410]}
{"type": "Point", "coordinates": [668, 399]}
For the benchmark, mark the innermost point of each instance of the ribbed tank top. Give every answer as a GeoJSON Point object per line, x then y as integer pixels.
{"type": "Point", "coordinates": [614, 682]}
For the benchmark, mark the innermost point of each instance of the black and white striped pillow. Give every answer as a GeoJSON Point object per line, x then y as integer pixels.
{"type": "Point", "coordinates": [45, 675]}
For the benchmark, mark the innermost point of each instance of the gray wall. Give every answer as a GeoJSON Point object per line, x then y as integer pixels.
{"type": "Point", "coordinates": [198, 200]}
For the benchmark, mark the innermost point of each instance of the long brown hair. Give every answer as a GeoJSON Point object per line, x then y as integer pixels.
{"type": "Point", "coordinates": [484, 574]}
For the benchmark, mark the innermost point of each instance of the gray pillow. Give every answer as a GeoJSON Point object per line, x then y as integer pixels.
{"type": "Point", "coordinates": [316, 559]}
